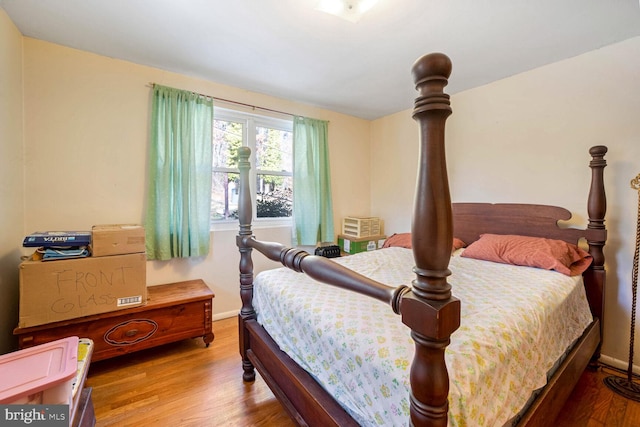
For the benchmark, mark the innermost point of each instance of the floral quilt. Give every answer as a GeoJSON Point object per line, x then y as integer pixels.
{"type": "Point", "coordinates": [516, 322]}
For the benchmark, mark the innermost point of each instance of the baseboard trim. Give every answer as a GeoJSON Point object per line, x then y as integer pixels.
{"type": "Point", "coordinates": [618, 364]}
{"type": "Point", "coordinates": [225, 315]}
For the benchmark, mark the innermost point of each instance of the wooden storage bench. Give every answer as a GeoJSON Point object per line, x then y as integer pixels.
{"type": "Point", "coordinates": [173, 312]}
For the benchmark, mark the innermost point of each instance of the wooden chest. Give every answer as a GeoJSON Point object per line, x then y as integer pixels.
{"type": "Point", "coordinates": [173, 312]}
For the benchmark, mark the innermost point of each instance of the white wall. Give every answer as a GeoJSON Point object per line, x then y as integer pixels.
{"type": "Point", "coordinates": [11, 177]}
{"type": "Point", "coordinates": [526, 139]}
{"type": "Point", "coordinates": [86, 142]}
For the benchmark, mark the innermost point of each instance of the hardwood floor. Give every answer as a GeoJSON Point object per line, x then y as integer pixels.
{"type": "Point", "coordinates": [593, 404]}
{"type": "Point", "coordinates": [186, 384]}
{"type": "Point", "coordinates": [183, 384]}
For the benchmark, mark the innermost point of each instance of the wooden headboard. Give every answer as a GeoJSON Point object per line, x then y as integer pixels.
{"type": "Point", "coordinates": [472, 219]}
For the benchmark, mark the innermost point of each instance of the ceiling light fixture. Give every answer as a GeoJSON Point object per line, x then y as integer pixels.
{"type": "Point", "coordinates": [351, 10]}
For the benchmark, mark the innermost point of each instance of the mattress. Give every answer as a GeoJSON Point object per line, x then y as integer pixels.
{"type": "Point", "coordinates": [515, 323]}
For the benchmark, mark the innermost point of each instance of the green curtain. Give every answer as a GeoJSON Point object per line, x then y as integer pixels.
{"type": "Point", "coordinates": [312, 204]}
{"type": "Point", "coordinates": [179, 193]}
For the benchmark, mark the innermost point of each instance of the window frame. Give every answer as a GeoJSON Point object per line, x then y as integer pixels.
{"type": "Point", "coordinates": [250, 121]}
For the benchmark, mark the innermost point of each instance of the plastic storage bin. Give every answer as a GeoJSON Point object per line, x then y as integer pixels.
{"type": "Point", "coordinates": [43, 374]}
{"type": "Point", "coordinates": [361, 227]}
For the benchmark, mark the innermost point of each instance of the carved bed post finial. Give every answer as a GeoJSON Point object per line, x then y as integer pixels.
{"type": "Point", "coordinates": [432, 225]}
{"type": "Point", "coordinates": [597, 204]}
{"type": "Point", "coordinates": [245, 214]}
{"type": "Point", "coordinates": [429, 309]}
{"type": "Point", "coordinates": [597, 208]}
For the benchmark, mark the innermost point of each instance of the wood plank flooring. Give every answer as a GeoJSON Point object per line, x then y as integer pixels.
{"type": "Point", "coordinates": [593, 404]}
{"type": "Point", "coordinates": [183, 384]}
{"type": "Point", "coordinates": [186, 384]}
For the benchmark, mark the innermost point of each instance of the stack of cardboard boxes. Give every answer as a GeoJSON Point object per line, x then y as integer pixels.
{"type": "Point", "coordinates": [361, 234]}
{"type": "Point", "coordinates": [112, 278]}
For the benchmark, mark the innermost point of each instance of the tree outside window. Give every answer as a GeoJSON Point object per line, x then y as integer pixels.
{"type": "Point", "coordinates": [271, 146]}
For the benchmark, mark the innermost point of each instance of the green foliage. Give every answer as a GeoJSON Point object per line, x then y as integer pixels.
{"type": "Point", "coordinates": [274, 205]}
{"type": "Point", "coordinates": [227, 139]}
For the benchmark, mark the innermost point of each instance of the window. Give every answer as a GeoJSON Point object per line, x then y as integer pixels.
{"type": "Point", "coordinates": [271, 144]}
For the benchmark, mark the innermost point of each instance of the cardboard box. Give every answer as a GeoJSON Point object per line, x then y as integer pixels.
{"type": "Point", "coordinates": [51, 291]}
{"type": "Point", "coordinates": [117, 239]}
{"type": "Point", "coordinates": [351, 245]}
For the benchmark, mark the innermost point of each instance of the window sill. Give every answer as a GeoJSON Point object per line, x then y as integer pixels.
{"type": "Point", "coordinates": [232, 225]}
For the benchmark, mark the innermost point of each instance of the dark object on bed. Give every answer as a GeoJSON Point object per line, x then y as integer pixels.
{"type": "Point", "coordinates": [329, 251]}
{"type": "Point", "coordinates": [427, 307]}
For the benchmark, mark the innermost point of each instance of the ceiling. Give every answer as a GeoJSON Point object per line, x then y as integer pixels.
{"type": "Point", "coordinates": [288, 49]}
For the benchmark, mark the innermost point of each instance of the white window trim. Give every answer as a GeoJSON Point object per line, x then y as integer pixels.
{"type": "Point", "coordinates": [249, 140]}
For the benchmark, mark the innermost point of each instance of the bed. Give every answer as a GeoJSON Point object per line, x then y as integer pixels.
{"type": "Point", "coordinates": [425, 323]}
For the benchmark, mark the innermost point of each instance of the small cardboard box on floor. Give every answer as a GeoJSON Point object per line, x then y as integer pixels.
{"type": "Point", "coordinates": [51, 291]}
{"type": "Point", "coordinates": [117, 239]}
{"type": "Point", "coordinates": [353, 245]}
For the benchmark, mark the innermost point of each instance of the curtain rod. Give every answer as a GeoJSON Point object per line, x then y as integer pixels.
{"type": "Point", "coordinates": [238, 103]}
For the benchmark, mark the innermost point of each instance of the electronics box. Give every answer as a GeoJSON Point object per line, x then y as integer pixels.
{"type": "Point", "coordinates": [52, 291]}
{"type": "Point", "coordinates": [40, 375]}
{"type": "Point", "coordinates": [351, 245]}
{"type": "Point", "coordinates": [49, 239]}
{"type": "Point", "coordinates": [117, 239]}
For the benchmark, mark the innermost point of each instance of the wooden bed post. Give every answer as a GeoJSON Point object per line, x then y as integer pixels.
{"type": "Point", "coordinates": [429, 309]}
{"type": "Point", "coordinates": [245, 212]}
{"type": "Point", "coordinates": [597, 208]}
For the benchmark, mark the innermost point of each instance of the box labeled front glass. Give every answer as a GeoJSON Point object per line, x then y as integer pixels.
{"type": "Point", "coordinates": [51, 291]}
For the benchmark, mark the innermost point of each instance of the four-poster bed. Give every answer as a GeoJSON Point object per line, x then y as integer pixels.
{"type": "Point", "coordinates": [424, 301]}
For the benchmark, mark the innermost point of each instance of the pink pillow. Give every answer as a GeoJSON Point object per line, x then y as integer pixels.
{"type": "Point", "coordinates": [539, 252]}
{"type": "Point", "coordinates": [403, 240]}
{"type": "Point", "coordinates": [457, 244]}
